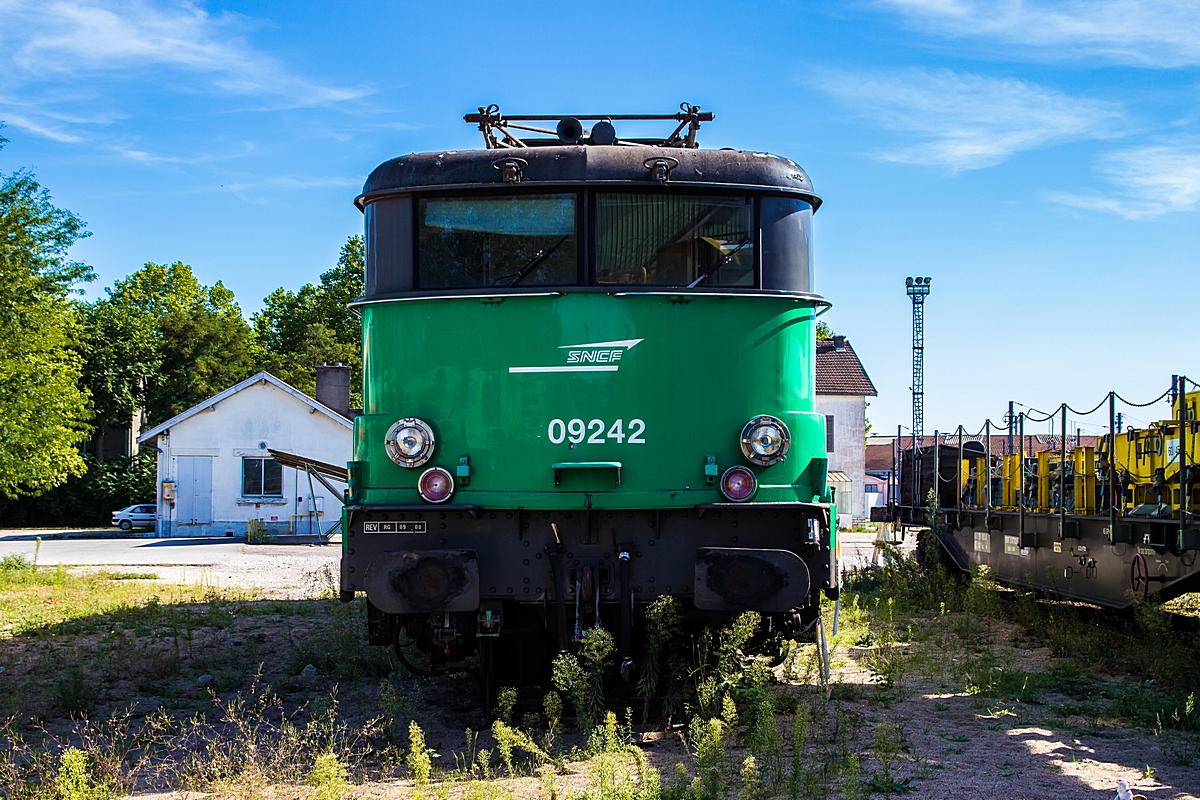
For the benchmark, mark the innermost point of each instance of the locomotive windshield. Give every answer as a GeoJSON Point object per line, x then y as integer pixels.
{"type": "Point", "coordinates": [674, 240]}
{"type": "Point", "coordinates": [517, 241]}
{"type": "Point", "coordinates": [473, 242]}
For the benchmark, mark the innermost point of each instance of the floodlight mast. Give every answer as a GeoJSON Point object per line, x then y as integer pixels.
{"type": "Point", "coordinates": [918, 290]}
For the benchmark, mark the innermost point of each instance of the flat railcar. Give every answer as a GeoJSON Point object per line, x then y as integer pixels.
{"type": "Point", "coordinates": [1111, 522]}
{"type": "Point", "coordinates": [588, 382]}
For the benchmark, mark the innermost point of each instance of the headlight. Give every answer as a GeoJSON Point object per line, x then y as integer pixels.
{"type": "Point", "coordinates": [738, 484]}
{"type": "Point", "coordinates": [435, 485]}
{"type": "Point", "coordinates": [409, 443]}
{"type": "Point", "coordinates": [765, 440]}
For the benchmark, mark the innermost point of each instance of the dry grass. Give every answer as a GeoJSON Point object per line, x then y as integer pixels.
{"type": "Point", "coordinates": [938, 684]}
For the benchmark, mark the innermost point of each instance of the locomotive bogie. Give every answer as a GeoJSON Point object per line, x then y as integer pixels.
{"type": "Point", "coordinates": [770, 559]}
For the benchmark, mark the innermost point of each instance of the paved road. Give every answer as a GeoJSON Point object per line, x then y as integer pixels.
{"type": "Point", "coordinates": [232, 563]}
{"type": "Point", "coordinates": [281, 570]}
{"type": "Point", "coordinates": [130, 552]}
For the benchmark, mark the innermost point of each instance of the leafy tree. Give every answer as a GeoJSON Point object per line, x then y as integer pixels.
{"type": "Point", "coordinates": [302, 329]}
{"type": "Point", "coordinates": [121, 353]}
{"type": "Point", "coordinates": [163, 341]}
{"type": "Point", "coordinates": [43, 409]}
{"type": "Point", "coordinates": [205, 350]}
{"type": "Point", "coordinates": [90, 498]}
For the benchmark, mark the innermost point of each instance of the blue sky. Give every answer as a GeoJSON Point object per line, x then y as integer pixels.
{"type": "Point", "coordinates": [1041, 161]}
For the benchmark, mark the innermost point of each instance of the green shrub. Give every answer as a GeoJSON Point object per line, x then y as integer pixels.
{"type": "Point", "coordinates": [418, 760]}
{"type": "Point", "coordinates": [73, 781]}
{"type": "Point", "coordinates": [506, 701]}
{"type": "Point", "coordinates": [328, 777]}
{"type": "Point", "coordinates": [15, 562]}
{"type": "Point", "coordinates": [708, 748]}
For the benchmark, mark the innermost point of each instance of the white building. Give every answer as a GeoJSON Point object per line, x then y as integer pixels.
{"type": "Point", "coordinates": [214, 471]}
{"type": "Point", "coordinates": [843, 387]}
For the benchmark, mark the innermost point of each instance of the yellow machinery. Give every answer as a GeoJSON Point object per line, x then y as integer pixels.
{"type": "Point", "coordinates": [1147, 462]}
{"type": "Point", "coordinates": [1146, 470]}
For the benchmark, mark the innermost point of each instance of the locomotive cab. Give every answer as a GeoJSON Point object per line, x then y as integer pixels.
{"type": "Point", "coordinates": [588, 373]}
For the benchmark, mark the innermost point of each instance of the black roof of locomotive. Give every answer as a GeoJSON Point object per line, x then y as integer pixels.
{"type": "Point", "coordinates": [615, 165]}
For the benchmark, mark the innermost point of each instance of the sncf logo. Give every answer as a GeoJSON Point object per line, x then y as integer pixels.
{"type": "Point", "coordinates": [594, 356]}
{"type": "Point", "coordinates": [591, 357]}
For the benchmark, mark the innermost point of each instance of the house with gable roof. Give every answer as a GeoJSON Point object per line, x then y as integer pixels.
{"type": "Point", "coordinates": [843, 387]}
{"type": "Point", "coordinates": [215, 471]}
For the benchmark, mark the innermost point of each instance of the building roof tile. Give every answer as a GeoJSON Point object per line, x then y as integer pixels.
{"type": "Point", "coordinates": [839, 371]}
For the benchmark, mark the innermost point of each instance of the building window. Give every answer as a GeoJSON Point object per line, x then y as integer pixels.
{"type": "Point", "coordinates": [262, 477]}
{"type": "Point", "coordinates": [829, 433]}
{"type": "Point", "coordinates": [871, 488]}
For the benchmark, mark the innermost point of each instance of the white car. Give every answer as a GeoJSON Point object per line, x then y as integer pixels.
{"type": "Point", "coordinates": [132, 516]}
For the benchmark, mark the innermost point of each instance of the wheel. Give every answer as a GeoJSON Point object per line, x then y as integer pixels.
{"type": "Point", "coordinates": [125, 525]}
{"type": "Point", "coordinates": [1139, 576]}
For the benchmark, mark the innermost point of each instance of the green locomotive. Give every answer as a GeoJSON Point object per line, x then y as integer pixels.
{"type": "Point", "coordinates": [588, 368]}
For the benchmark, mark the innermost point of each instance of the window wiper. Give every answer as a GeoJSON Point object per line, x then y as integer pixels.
{"type": "Point", "coordinates": [720, 263]}
{"type": "Point", "coordinates": [538, 258]}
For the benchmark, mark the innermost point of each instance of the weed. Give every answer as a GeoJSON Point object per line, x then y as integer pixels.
{"type": "Point", "coordinates": [662, 627]}
{"type": "Point", "coordinates": [886, 752]}
{"type": "Point", "coordinates": [16, 563]}
{"type": "Point", "coordinates": [335, 646]}
{"type": "Point", "coordinates": [597, 647]}
{"type": "Point", "coordinates": [127, 576]}
{"type": "Point", "coordinates": [568, 677]}
{"type": "Point", "coordinates": [552, 706]}
{"type": "Point", "coordinates": [707, 738]}
{"type": "Point", "coordinates": [766, 743]}
{"type": "Point", "coordinates": [73, 781]}
{"type": "Point", "coordinates": [752, 787]}
{"type": "Point", "coordinates": [506, 701]}
{"type": "Point", "coordinates": [852, 788]}
{"type": "Point", "coordinates": [620, 771]}
{"type": "Point", "coordinates": [328, 777]}
{"type": "Point", "coordinates": [798, 779]}
{"type": "Point", "coordinates": [509, 739]}
{"type": "Point", "coordinates": [418, 760]}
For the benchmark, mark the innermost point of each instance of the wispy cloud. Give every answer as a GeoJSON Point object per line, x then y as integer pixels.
{"type": "Point", "coordinates": [73, 36]}
{"type": "Point", "coordinates": [180, 45]}
{"type": "Point", "coordinates": [966, 121]}
{"type": "Point", "coordinates": [1150, 181]}
{"type": "Point", "coordinates": [39, 127]}
{"type": "Point", "coordinates": [292, 182]}
{"type": "Point", "coordinates": [1155, 33]}
{"type": "Point", "coordinates": [146, 157]}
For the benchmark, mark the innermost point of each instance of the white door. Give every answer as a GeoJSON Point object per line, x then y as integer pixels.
{"type": "Point", "coordinates": [193, 490]}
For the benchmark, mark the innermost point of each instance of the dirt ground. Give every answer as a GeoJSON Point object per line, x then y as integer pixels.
{"type": "Point", "coordinates": [952, 743]}
{"type": "Point", "coordinates": [961, 747]}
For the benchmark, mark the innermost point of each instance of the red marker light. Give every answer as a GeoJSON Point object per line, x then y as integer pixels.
{"type": "Point", "coordinates": [435, 485]}
{"type": "Point", "coordinates": [738, 484]}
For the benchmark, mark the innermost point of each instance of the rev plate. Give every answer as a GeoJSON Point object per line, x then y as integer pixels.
{"type": "Point", "coordinates": [413, 526]}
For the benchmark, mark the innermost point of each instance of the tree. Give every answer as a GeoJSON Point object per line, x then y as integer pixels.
{"type": "Point", "coordinates": [121, 353]}
{"type": "Point", "coordinates": [302, 329]}
{"type": "Point", "coordinates": [164, 342]}
{"type": "Point", "coordinates": [43, 409]}
{"type": "Point", "coordinates": [206, 350]}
